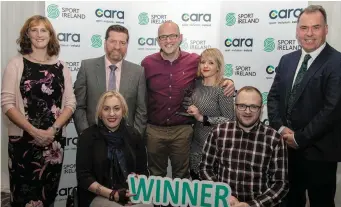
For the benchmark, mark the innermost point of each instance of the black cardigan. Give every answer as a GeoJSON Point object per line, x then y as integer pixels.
{"type": "Point", "coordinates": [92, 163]}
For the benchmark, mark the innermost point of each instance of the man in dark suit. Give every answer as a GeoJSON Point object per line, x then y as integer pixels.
{"type": "Point", "coordinates": [111, 72]}
{"type": "Point", "coordinates": [304, 105]}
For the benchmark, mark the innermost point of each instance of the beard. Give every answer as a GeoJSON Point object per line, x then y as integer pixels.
{"type": "Point", "coordinates": [246, 125]}
{"type": "Point", "coordinates": [116, 56]}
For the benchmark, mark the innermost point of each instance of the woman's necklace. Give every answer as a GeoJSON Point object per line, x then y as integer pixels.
{"type": "Point", "coordinates": [41, 61]}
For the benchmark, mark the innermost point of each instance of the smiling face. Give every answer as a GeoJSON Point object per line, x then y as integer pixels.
{"type": "Point", "coordinates": [112, 112]}
{"type": "Point", "coordinates": [169, 38]}
{"type": "Point", "coordinates": [311, 31]}
{"type": "Point", "coordinates": [116, 46]}
{"type": "Point", "coordinates": [208, 67]}
{"type": "Point", "coordinates": [39, 36]}
{"type": "Point", "coordinates": [247, 118]}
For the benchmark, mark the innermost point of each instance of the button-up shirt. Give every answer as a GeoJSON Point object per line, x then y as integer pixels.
{"type": "Point", "coordinates": [166, 83]}
{"type": "Point", "coordinates": [253, 163]}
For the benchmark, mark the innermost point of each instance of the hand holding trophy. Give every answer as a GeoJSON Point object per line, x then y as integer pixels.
{"type": "Point", "coordinates": [187, 100]}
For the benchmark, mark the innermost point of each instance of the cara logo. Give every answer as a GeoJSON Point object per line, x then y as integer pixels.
{"type": "Point", "coordinates": [143, 18]}
{"type": "Point", "coordinates": [228, 72]}
{"type": "Point", "coordinates": [230, 19]}
{"type": "Point", "coordinates": [66, 37]}
{"type": "Point", "coordinates": [270, 69]}
{"type": "Point", "coordinates": [65, 191]}
{"type": "Point", "coordinates": [147, 41]}
{"type": "Point", "coordinates": [239, 42]}
{"type": "Point", "coordinates": [269, 44]}
{"type": "Point", "coordinates": [196, 17]}
{"type": "Point", "coordinates": [110, 13]}
{"type": "Point", "coordinates": [285, 13]}
{"type": "Point", "coordinates": [96, 41]}
{"type": "Point", "coordinates": [53, 11]}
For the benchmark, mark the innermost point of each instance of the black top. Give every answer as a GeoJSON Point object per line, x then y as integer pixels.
{"type": "Point", "coordinates": [93, 164]}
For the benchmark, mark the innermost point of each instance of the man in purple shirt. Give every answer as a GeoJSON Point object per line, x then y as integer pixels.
{"type": "Point", "coordinates": [168, 73]}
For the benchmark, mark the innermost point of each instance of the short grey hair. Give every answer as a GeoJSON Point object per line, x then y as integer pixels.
{"type": "Point", "coordinates": [313, 9]}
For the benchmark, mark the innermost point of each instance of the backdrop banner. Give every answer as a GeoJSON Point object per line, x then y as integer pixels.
{"type": "Point", "coordinates": [251, 35]}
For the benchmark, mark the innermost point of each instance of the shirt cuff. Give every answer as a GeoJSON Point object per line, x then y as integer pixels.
{"type": "Point", "coordinates": [281, 129]}
{"type": "Point", "coordinates": [293, 136]}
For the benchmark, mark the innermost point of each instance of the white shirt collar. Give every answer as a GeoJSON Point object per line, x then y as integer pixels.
{"type": "Point", "coordinates": [315, 53]}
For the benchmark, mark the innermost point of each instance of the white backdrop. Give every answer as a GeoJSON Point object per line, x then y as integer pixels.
{"type": "Point", "coordinates": [252, 37]}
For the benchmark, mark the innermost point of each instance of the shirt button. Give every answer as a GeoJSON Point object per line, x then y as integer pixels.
{"type": "Point", "coordinates": [171, 74]}
{"type": "Point", "coordinates": [167, 119]}
{"type": "Point", "coordinates": [168, 109]}
{"type": "Point", "coordinates": [170, 86]}
{"type": "Point", "coordinates": [170, 97]}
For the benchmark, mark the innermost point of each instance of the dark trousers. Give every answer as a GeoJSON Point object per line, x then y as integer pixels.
{"type": "Point", "coordinates": [316, 177]}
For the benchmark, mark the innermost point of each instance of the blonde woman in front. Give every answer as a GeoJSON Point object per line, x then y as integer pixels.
{"type": "Point", "coordinates": [106, 153]}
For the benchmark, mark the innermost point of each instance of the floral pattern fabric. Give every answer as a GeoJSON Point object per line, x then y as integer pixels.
{"type": "Point", "coordinates": [35, 171]}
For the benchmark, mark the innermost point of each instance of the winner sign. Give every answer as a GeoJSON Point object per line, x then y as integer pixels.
{"type": "Point", "coordinates": [178, 192]}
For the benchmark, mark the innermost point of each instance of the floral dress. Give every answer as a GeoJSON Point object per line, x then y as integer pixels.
{"type": "Point", "coordinates": [35, 171]}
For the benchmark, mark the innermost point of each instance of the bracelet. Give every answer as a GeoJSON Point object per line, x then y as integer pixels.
{"type": "Point", "coordinates": [112, 195]}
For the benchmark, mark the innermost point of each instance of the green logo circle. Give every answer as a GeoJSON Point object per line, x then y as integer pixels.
{"type": "Point", "coordinates": [143, 18]}
{"type": "Point", "coordinates": [96, 41]}
{"type": "Point", "coordinates": [269, 44]}
{"type": "Point", "coordinates": [270, 69]}
{"type": "Point", "coordinates": [52, 11]}
{"type": "Point", "coordinates": [228, 72]}
{"type": "Point", "coordinates": [228, 42]}
{"type": "Point", "coordinates": [265, 97]}
{"type": "Point", "coordinates": [273, 14]}
{"type": "Point", "coordinates": [184, 44]}
{"type": "Point", "coordinates": [230, 19]}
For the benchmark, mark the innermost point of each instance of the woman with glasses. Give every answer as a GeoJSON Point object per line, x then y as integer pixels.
{"type": "Point", "coordinates": [209, 104]}
{"type": "Point", "coordinates": [37, 97]}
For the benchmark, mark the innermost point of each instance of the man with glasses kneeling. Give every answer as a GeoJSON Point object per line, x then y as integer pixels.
{"type": "Point", "coordinates": [251, 157]}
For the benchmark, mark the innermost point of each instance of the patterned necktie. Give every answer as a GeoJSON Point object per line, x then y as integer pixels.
{"type": "Point", "coordinates": [299, 78]}
{"type": "Point", "coordinates": [112, 78]}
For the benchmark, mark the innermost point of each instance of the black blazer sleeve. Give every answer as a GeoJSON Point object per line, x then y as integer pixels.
{"type": "Point", "coordinates": [273, 104]}
{"type": "Point", "coordinates": [84, 160]}
{"type": "Point", "coordinates": [330, 109]}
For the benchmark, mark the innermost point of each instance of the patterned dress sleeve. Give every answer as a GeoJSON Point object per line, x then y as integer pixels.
{"type": "Point", "coordinates": [226, 109]}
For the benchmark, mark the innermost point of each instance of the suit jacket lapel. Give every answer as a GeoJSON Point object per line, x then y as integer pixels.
{"type": "Point", "coordinates": [101, 74]}
{"type": "Point", "coordinates": [314, 67]}
{"type": "Point", "coordinates": [290, 74]}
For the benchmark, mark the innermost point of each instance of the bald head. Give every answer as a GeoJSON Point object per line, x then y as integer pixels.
{"type": "Point", "coordinates": [168, 25]}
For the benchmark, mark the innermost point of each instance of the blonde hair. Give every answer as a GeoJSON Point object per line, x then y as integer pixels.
{"type": "Point", "coordinates": [110, 94]}
{"type": "Point", "coordinates": [218, 58]}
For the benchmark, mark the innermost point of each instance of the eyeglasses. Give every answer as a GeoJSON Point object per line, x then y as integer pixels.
{"type": "Point", "coordinates": [171, 37]}
{"type": "Point", "coordinates": [243, 107]}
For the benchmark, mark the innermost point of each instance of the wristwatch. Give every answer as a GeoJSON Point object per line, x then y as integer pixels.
{"type": "Point", "coordinates": [56, 128]}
